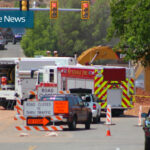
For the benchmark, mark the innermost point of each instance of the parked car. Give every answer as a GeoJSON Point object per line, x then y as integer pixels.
{"type": "Point", "coordinates": [78, 112]}
{"type": "Point", "coordinates": [92, 103]}
{"type": "Point", "coordinates": [8, 34]}
{"type": "Point", "coordinates": [146, 128]}
{"type": "Point", "coordinates": [2, 41]}
{"type": "Point", "coordinates": [17, 38]}
{"type": "Point", "coordinates": [14, 35]}
{"type": "Point", "coordinates": [17, 34]}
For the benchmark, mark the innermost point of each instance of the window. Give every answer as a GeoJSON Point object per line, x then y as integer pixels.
{"type": "Point", "coordinates": [88, 99]}
{"type": "Point", "coordinates": [77, 100]}
{"type": "Point", "coordinates": [52, 98]}
{"type": "Point", "coordinates": [40, 78]}
{"type": "Point", "coordinates": [51, 75]}
{"type": "Point", "coordinates": [70, 99]}
{"type": "Point", "coordinates": [64, 84]}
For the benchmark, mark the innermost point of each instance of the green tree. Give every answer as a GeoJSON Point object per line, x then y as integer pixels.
{"type": "Point", "coordinates": [131, 23]}
{"type": "Point", "coordinates": [41, 37]}
{"type": "Point", "coordinates": [76, 35]}
{"type": "Point", "coordinates": [68, 33]}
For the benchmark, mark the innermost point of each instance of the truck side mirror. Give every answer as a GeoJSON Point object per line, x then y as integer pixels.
{"type": "Point", "coordinates": [16, 94]}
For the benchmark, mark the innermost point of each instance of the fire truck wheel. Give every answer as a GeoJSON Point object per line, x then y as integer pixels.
{"type": "Point", "coordinates": [72, 125]}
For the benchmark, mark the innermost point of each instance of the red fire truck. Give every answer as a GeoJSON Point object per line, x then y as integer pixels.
{"type": "Point", "coordinates": [111, 85]}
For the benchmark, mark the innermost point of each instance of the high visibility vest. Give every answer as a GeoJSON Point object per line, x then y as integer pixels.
{"type": "Point", "coordinates": [3, 80]}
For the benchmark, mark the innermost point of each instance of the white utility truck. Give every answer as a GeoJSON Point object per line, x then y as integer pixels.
{"type": "Point", "coordinates": [15, 76]}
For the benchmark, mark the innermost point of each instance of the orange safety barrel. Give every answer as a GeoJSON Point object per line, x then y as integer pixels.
{"type": "Point", "coordinates": [3, 80]}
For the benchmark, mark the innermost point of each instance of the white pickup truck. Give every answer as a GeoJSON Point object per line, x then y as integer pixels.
{"type": "Point", "coordinates": [91, 101]}
{"type": "Point", "coordinates": [93, 104]}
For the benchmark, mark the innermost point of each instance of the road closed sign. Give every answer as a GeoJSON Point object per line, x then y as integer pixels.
{"type": "Point", "coordinates": [44, 108]}
{"type": "Point", "coordinates": [46, 91]}
{"type": "Point", "coordinates": [61, 107]}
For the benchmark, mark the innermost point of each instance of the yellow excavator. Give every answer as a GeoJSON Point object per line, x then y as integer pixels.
{"type": "Point", "coordinates": [97, 53]}
{"type": "Point", "coordinates": [103, 53]}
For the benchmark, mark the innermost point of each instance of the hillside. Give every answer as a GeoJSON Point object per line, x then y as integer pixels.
{"type": "Point", "coordinates": [140, 101]}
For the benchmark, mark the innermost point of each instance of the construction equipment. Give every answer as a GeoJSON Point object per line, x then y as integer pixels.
{"type": "Point", "coordinates": [97, 53]}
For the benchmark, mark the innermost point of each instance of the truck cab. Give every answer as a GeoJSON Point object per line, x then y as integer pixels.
{"type": "Point", "coordinates": [47, 75]}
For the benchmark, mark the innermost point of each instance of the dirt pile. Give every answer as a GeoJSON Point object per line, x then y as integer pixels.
{"type": "Point", "coordinates": [142, 99]}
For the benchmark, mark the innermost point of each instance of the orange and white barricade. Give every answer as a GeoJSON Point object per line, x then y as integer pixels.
{"type": "Point", "coordinates": [19, 107]}
{"type": "Point", "coordinates": [140, 113]}
{"type": "Point", "coordinates": [140, 119]}
{"type": "Point", "coordinates": [39, 128]}
{"type": "Point", "coordinates": [108, 115]}
{"type": "Point", "coordinates": [20, 116]}
{"type": "Point", "coordinates": [53, 118]}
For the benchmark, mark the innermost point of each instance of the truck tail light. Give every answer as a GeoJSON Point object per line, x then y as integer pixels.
{"type": "Point", "coordinates": [94, 106]}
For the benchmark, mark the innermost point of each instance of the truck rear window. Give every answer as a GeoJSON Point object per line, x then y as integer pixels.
{"type": "Point", "coordinates": [53, 98]}
{"type": "Point", "coordinates": [117, 74]}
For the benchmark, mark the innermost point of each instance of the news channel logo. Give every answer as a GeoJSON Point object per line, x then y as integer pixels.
{"type": "Point", "coordinates": [16, 19]}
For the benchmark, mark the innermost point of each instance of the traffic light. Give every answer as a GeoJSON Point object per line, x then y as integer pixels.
{"type": "Point", "coordinates": [53, 9]}
{"type": "Point", "coordinates": [24, 5]}
{"type": "Point", "coordinates": [85, 9]}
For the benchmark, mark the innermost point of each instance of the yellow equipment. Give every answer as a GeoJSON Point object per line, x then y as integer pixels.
{"type": "Point", "coordinates": [96, 53]}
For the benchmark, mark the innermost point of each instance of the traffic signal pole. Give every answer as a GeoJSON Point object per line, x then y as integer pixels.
{"type": "Point", "coordinates": [41, 9]}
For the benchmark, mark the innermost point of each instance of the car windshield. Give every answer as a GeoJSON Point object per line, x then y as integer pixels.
{"type": "Point", "coordinates": [53, 97]}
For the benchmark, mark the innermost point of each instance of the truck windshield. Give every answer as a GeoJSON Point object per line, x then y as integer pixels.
{"type": "Point", "coordinates": [40, 78]}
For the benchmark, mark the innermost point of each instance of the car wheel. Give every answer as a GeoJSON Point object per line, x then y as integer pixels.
{"type": "Point", "coordinates": [99, 119]}
{"type": "Point", "coordinates": [88, 123]}
{"type": "Point", "coordinates": [72, 125]}
{"type": "Point", "coordinates": [147, 143]}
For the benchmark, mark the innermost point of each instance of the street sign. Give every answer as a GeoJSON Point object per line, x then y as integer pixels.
{"type": "Point", "coordinates": [38, 121]}
{"type": "Point", "coordinates": [34, 109]}
{"type": "Point", "coordinates": [61, 107]}
{"type": "Point", "coordinates": [46, 91]}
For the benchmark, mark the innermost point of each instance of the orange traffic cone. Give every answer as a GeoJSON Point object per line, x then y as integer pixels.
{"type": "Point", "coordinates": [108, 132]}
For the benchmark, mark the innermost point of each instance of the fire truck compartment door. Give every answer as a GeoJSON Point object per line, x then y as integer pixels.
{"type": "Point", "coordinates": [114, 97]}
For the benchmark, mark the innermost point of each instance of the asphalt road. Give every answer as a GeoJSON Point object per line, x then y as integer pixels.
{"type": "Point", "coordinates": [12, 51]}
{"type": "Point", "coordinates": [125, 135]}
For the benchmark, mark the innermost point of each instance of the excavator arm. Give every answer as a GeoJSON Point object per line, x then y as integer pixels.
{"type": "Point", "coordinates": [97, 53]}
